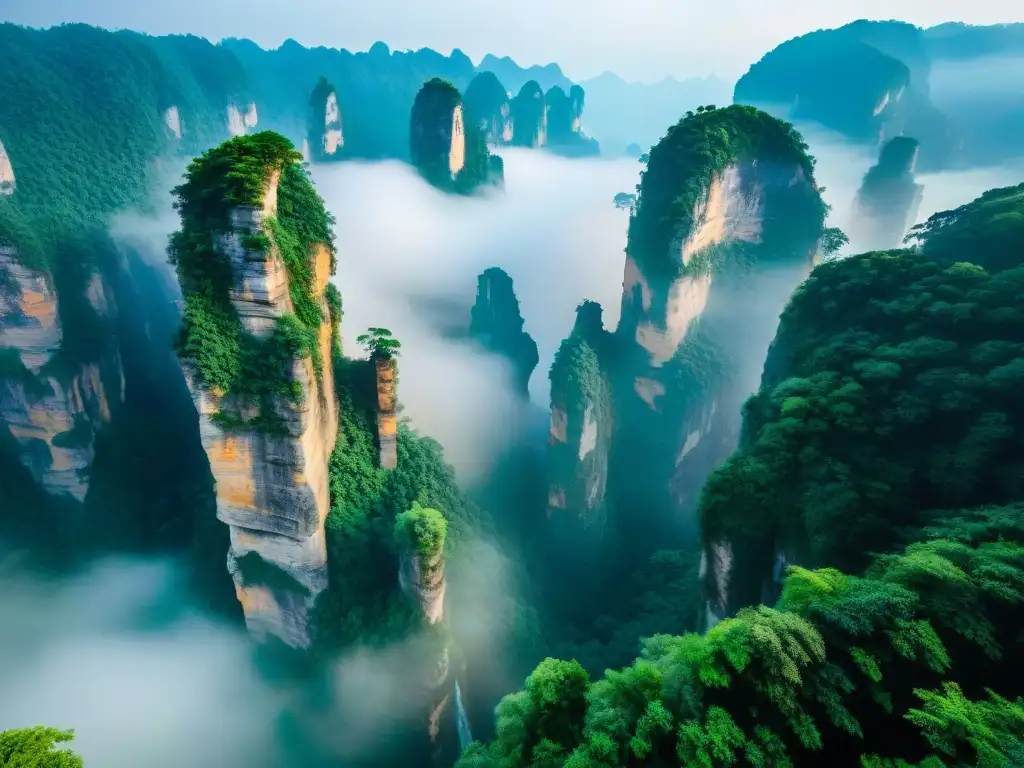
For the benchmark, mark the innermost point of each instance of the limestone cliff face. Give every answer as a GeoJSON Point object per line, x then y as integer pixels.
{"type": "Point", "coordinates": [580, 433]}
{"type": "Point", "coordinates": [387, 419]}
{"type": "Point", "coordinates": [7, 180]}
{"type": "Point", "coordinates": [240, 122]}
{"type": "Point", "coordinates": [530, 117]}
{"type": "Point", "coordinates": [887, 203]}
{"type": "Point", "coordinates": [52, 408]}
{"type": "Point", "coordinates": [565, 123]}
{"type": "Point", "coordinates": [496, 322]}
{"type": "Point", "coordinates": [422, 579]}
{"type": "Point", "coordinates": [272, 486]}
{"type": "Point", "coordinates": [172, 119]}
{"type": "Point", "coordinates": [324, 136]}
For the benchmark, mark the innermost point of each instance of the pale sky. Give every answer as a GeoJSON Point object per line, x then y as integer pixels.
{"type": "Point", "coordinates": [638, 39]}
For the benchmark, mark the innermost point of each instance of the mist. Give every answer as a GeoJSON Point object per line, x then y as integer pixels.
{"type": "Point", "coordinates": [409, 257]}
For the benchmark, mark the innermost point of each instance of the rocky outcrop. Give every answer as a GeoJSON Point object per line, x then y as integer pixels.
{"type": "Point", "coordinates": [530, 117]}
{"type": "Point", "coordinates": [887, 203]}
{"type": "Point", "coordinates": [580, 433]}
{"type": "Point", "coordinates": [325, 137]}
{"type": "Point", "coordinates": [496, 322]}
{"type": "Point", "coordinates": [52, 406]}
{"type": "Point", "coordinates": [387, 419]}
{"type": "Point", "coordinates": [269, 456]}
{"type": "Point", "coordinates": [7, 180]}
{"type": "Point", "coordinates": [239, 123]}
{"type": "Point", "coordinates": [488, 108]}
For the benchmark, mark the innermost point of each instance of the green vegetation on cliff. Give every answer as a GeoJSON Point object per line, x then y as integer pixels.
{"type": "Point", "coordinates": [529, 125]}
{"type": "Point", "coordinates": [679, 175]}
{"type": "Point", "coordinates": [363, 603]}
{"type": "Point", "coordinates": [222, 354]}
{"type": "Point", "coordinates": [487, 106]}
{"type": "Point", "coordinates": [881, 454]}
{"type": "Point", "coordinates": [318, 123]}
{"type": "Point", "coordinates": [422, 530]}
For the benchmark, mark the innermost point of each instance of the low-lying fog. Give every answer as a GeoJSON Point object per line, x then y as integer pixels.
{"type": "Point", "coordinates": [408, 260]}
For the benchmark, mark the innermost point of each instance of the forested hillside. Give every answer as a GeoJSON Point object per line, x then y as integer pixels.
{"type": "Point", "coordinates": [880, 464]}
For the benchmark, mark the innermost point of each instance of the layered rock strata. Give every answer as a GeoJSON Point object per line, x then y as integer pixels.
{"type": "Point", "coordinates": [386, 370]}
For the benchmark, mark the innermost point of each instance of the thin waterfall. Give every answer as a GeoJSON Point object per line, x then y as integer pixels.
{"type": "Point", "coordinates": [462, 722]}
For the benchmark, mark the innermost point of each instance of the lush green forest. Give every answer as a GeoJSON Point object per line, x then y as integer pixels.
{"type": "Point", "coordinates": [882, 454]}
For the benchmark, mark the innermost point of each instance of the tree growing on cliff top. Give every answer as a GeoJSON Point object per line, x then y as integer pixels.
{"type": "Point", "coordinates": [380, 343]}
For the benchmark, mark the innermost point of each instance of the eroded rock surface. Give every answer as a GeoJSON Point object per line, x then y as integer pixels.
{"type": "Point", "coordinates": [272, 486]}
{"type": "Point", "coordinates": [52, 407]}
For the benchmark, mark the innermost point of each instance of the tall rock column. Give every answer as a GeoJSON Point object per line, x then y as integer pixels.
{"type": "Point", "coordinates": [887, 203]}
{"type": "Point", "coordinates": [580, 434]}
{"type": "Point", "coordinates": [256, 346]}
{"type": "Point", "coordinates": [496, 322]}
{"type": "Point", "coordinates": [449, 152]}
{"type": "Point", "coordinates": [387, 420]}
{"type": "Point", "coordinates": [726, 225]}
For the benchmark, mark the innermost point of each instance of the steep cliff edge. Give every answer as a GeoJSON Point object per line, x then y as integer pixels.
{"type": "Point", "coordinates": [450, 153]}
{"type": "Point", "coordinates": [727, 222]}
{"type": "Point", "coordinates": [580, 433]}
{"type": "Point", "coordinates": [52, 403]}
{"type": "Point", "coordinates": [254, 256]}
{"type": "Point", "coordinates": [530, 117]}
{"type": "Point", "coordinates": [324, 136]}
{"type": "Point", "coordinates": [888, 200]}
{"type": "Point", "coordinates": [879, 403]}
{"type": "Point", "coordinates": [496, 322]}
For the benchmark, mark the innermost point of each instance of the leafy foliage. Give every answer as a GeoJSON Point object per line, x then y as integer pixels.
{"type": "Point", "coordinates": [422, 530]}
{"type": "Point", "coordinates": [37, 748]}
{"type": "Point", "coordinates": [380, 343]}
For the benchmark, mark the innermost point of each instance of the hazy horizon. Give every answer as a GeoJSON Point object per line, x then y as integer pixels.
{"type": "Point", "coordinates": [644, 41]}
